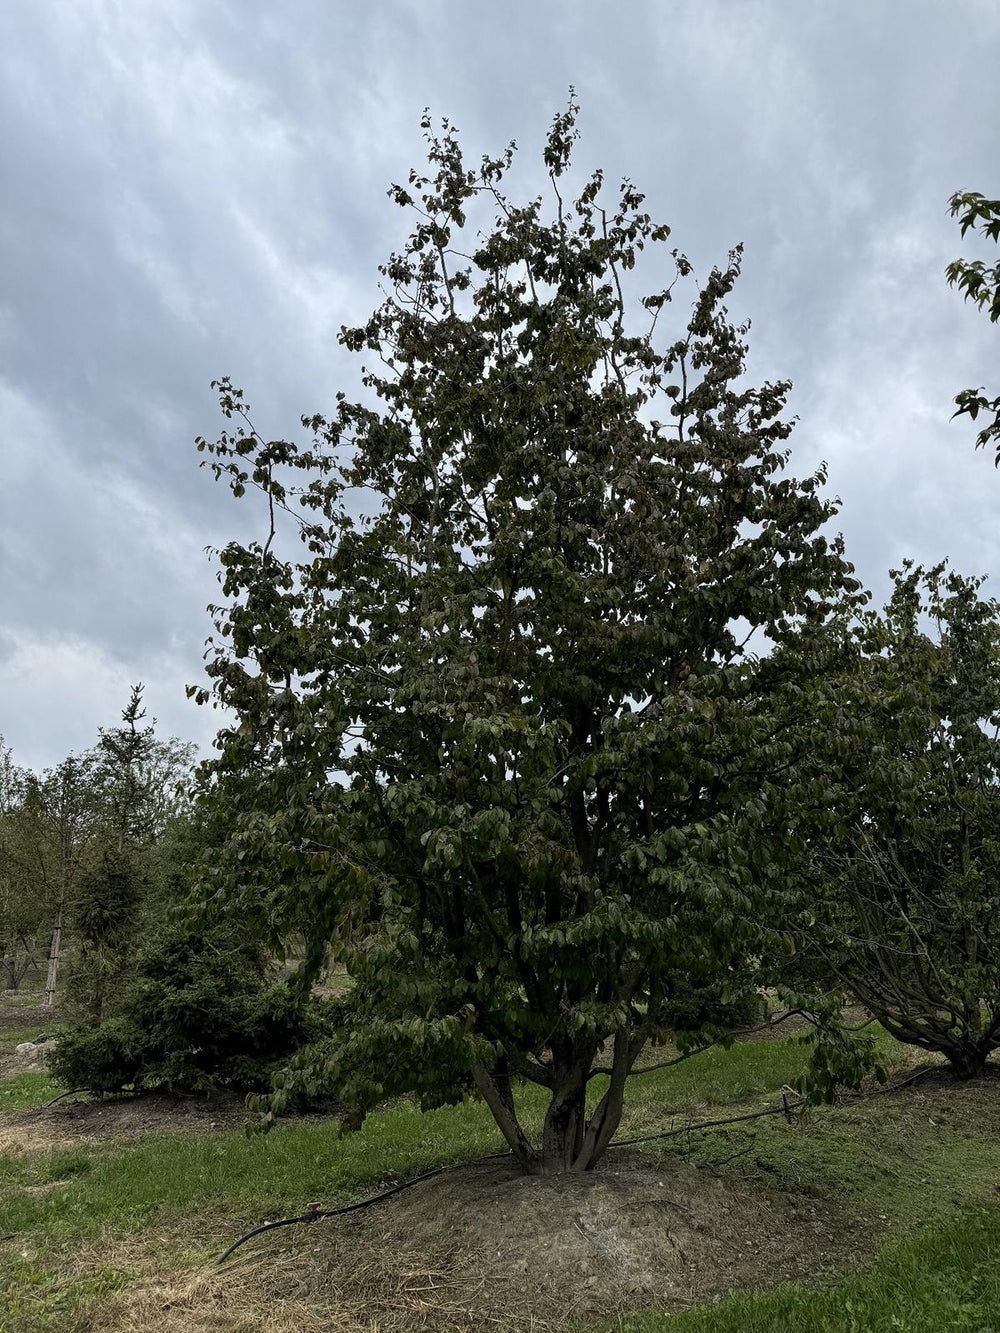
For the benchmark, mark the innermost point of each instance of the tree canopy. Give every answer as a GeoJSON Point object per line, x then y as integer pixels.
{"type": "Point", "coordinates": [508, 740]}
{"type": "Point", "coordinates": [88, 849]}
{"type": "Point", "coordinates": [907, 919]}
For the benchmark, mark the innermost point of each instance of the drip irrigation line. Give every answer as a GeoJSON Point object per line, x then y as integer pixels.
{"type": "Point", "coordinates": [92, 1092]}
{"type": "Point", "coordinates": [73, 1092]}
{"type": "Point", "coordinates": [313, 1213]}
{"type": "Point", "coordinates": [891, 1087]}
{"type": "Point", "coordinates": [787, 1108]}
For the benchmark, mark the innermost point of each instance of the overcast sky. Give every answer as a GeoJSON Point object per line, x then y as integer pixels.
{"type": "Point", "coordinates": [190, 188]}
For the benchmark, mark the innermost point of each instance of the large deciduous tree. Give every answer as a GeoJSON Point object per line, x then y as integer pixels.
{"type": "Point", "coordinates": [909, 915]}
{"type": "Point", "coordinates": [499, 738]}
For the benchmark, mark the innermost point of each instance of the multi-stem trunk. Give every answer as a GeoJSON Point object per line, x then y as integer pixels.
{"type": "Point", "coordinates": [571, 1141]}
{"type": "Point", "coordinates": [565, 1125]}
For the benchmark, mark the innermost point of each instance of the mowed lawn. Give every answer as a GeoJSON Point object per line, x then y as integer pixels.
{"type": "Point", "coordinates": [84, 1222]}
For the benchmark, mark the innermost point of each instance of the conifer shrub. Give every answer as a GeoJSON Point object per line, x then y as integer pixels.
{"type": "Point", "coordinates": [204, 1011]}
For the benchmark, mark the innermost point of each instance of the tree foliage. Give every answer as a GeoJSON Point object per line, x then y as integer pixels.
{"type": "Point", "coordinates": [48, 823]}
{"type": "Point", "coordinates": [202, 1010]}
{"type": "Point", "coordinates": [131, 776]}
{"type": "Point", "coordinates": [91, 851]}
{"type": "Point", "coordinates": [979, 283]}
{"type": "Point", "coordinates": [501, 742]}
{"type": "Point", "coordinates": [908, 921]}
{"type": "Point", "coordinates": [25, 910]}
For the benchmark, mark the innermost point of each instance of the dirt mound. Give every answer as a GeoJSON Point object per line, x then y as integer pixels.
{"type": "Point", "coordinates": [482, 1245]}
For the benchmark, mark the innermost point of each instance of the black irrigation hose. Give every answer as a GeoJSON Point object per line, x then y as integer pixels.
{"type": "Point", "coordinates": [786, 1108]}
{"type": "Point", "coordinates": [72, 1093]}
{"type": "Point", "coordinates": [93, 1092]}
{"type": "Point", "coordinates": [313, 1213]}
{"type": "Point", "coordinates": [891, 1087]}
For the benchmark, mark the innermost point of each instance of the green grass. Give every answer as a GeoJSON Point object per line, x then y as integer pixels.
{"type": "Point", "coordinates": [23, 1091]}
{"type": "Point", "coordinates": [240, 1176]}
{"type": "Point", "coordinates": [11, 1037]}
{"type": "Point", "coordinates": [902, 1160]}
{"type": "Point", "coordinates": [257, 1176]}
{"type": "Point", "coordinates": [44, 1168]}
{"type": "Point", "coordinates": [947, 1281]}
{"type": "Point", "coordinates": [746, 1072]}
{"type": "Point", "coordinates": [33, 1299]}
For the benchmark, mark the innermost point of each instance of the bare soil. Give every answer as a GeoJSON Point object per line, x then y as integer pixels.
{"type": "Point", "coordinates": [23, 1015]}
{"type": "Point", "coordinates": [483, 1246]}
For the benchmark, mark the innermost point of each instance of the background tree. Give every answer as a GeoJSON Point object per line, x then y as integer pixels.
{"type": "Point", "coordinates": [981, 284]}
{"type": "Point", "coordinates": [500, 740]}
{"type": "Point", "coordinates": [132, 777]}
{"type": "Point", "coordinates": [909, 918]}
{"type": "Point", "coordinates": [93, 854]}
{"type": "Point", "coordinates": [24, 911]}
{"type": "Point", "coordinates": [54, 826]}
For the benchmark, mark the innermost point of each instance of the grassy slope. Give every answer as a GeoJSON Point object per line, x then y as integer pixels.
{"type": "Point", "coordinates": [946, 1281]}
{"type": "Point", "coordinates": [915, 1165]}
{"type": "Point", "coordinates": [251, 1177]}
{"type": "Point", "coordinates": [877, 1157]}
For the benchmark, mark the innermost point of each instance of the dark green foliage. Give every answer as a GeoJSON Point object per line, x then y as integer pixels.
{"type": "Point", "coordinates": [697, 1004]}
{"type": "Point", "coordinates": [107, 894]}
{"type": "Point", "coordinates": [202, 1012]}
{"type": "Point", "coordinates": [908, 920]}
{"type": "Point", "coordinates": [501, 739]}
{"type": "Point", "coordinates": [981, 285]}
{"type": "Point", "coordinates": [26, 899]}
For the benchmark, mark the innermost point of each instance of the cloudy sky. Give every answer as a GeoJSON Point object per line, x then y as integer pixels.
{"type": "Point", "coordinates": [190, 188]}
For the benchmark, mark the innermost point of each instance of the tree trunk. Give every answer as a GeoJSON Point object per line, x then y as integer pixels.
{"type": "Point", "coordinates": [608, 1112]}
{"type": "Point", "coordinates": [54, 947]}
{"type": "Point", "coordinates": [570, 1141]}
{"type": "Point", "coordinates": [967, 1061]}
{"type": "Point", "coordinates": [64, 875]}
{"type": "Point", "coordinates": [565, 1124]}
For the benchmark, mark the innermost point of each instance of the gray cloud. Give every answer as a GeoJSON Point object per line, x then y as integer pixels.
{"type": "Point", "coordinates": [195, 188]}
